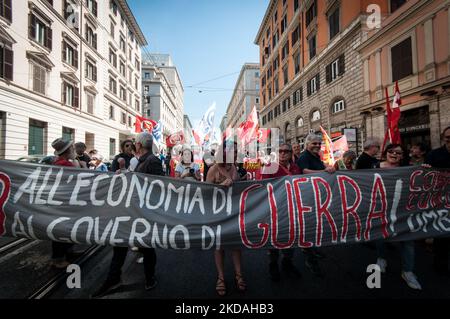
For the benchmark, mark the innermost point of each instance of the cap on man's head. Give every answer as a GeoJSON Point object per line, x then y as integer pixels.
{"type": "Point", "coordinates": [60, 145]}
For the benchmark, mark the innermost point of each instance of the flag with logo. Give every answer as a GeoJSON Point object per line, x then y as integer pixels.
{"type": "Point", "coordinates": [205, 127]}
{"type": "Point", "coordinates": [157, 133]}
{"type": "Point", "coordinates": [327, 148]}
{"type": "Point", "coordinates": [248, 130]}
{"type": "Point", "coordinates": [175, 139]}
{"type": "Point", "coordinates": [143, 124]}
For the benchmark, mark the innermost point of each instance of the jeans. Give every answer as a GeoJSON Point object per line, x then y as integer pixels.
{"type": "Point", "coordinates": [119, 256]}
{"type": "Point", "coordinates": [407, 251]}
{"type": "Point", "coordinates": [60, 250]}
{"type": "Point", "coordinates": [288, 254]}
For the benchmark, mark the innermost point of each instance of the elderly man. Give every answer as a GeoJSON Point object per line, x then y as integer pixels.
{"type": "Point", "coordinates": [284, 167]}
{"type": "Point", "coordinates": [367, 159]}
{"type": "Point", "coordinates": [310, 162]}
{"type": "Point", "coordinates": [148, 164]}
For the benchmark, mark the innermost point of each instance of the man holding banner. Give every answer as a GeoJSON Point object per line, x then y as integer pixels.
{"type": "Point", "coordinates": [148, 164]}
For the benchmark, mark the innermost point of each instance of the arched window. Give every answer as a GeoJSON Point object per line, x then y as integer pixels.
{"type": "Point", "coordinates": [315, 116]}
{"type": "Point", "coordinates": [300, 122]}
{"type": "Point", "coordinates": [338, 106]}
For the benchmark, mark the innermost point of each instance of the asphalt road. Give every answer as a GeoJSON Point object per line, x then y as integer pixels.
{"type": "Point", "coordinates": [191, 274]}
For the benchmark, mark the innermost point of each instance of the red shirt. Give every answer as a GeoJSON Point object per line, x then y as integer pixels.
{"type": "Point", "coordinates": [63, 162]}
{"type": "Point", "coordinates": [281, 171]}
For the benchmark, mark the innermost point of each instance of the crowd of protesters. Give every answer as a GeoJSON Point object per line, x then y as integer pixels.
{"type": "Point", "coordinates": [138, 156]}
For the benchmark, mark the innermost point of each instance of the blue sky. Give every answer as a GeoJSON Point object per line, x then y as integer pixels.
{"type": "Point", "coordinates": [207, 39]}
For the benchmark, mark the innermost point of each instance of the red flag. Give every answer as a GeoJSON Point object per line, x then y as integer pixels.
{"type": "Point", "coordinates": [175, 139]}
{"type": "Point", "coordinates": [263, 135]}
{"type": "Point", "coordinates": [143, 124]}
{"type": "Point", "coordinates": [393, 116]}
{"type": "Point", "coordinates": [248, 130]}
{"type": "Point", "coordinates": [196, 137]}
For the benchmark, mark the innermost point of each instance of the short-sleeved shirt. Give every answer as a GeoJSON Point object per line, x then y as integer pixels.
{"type": "Point", "coordinates": [439, 158]}
{"type": "Point", "coordinates": [182, 168]}
{"type": "Point", "coordinates": [63, 162]}
{"type": "Point", "coordinates": [281, 171]}
{"type": "Point", "coordinates": [365, 161]}
{"type": "Point", "coordinates": [308, 160]}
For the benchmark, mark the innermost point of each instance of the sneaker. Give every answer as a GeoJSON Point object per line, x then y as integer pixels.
{"type": "Point", "coordinates": [411, 280]}
{"type": "Point", "coordinates": [140, 260]}
{"type": "Point", "coordinates": [313, 266]}
{"type": "Point", "coordinates": [107, 287]}
{"type": "Point", "coordinates": [274, 272]}
{"type": "Point", "coordinates": [289, 268]}
{"type": "Point", "coordinates": [383, 264]}
{"type": "Point", "coordinates": [151, 283]}
{"type": "Point", "coordinates": [60, 264]}
{"type": "Point", "coordinates": [134, 249]}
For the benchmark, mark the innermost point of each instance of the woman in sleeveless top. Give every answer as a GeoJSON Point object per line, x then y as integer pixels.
{"type": "Point", "coordinates": [226, 174]}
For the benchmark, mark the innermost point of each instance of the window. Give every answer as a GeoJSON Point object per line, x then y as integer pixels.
{"type": "Point", "coordinates": [148, 113]}
{"type": "Point", "coordinates": [136, 85]}
{"type": "Point", "coordinates": [90, 100]}
{"type": "Point", "coordinates": [40, 32]}
{"type": "Point", "coordinates": [311, 13]}
{"type": "Point", "coordinates": [312, 47]}
{"type": "Point", "coordinates": [112, 85]}
{"type": "Point", "coordinates": [285, 75]}
{"type": "Point", "coordinates": [315, 116]}
{"type": "Point", "coordinates": [68, 134]}
{"type": "Point", "coordinates": [111, 112]}
{"type": "Point", "coordinates": [284, 24]}
{"type": "Point", "coordinates": [129, 120]}
{"type": "Point", "coordinates": [122, 68]}
{"type": "Point", "coordinates": [6, 9]}
{"type": "Point", "coordinates": [6, 62]}
{"type": "Point", "coordinates": [300, 122]}
{"type": "Point", "coordinates": [285, 51]}
{"type": "Point", "coordinates": [92, 6]}
{"type": "Point", "coordinates": [123, 119]}
{"type": "Point", "coordinates": [129, 53]}
{"type": "Point", "coordinates": [277, 88]}
{"type": "Point", "coordinates": [137, 105]}
{"type": "Point", "coordinates": [275, 17]}
{"type": "Point", "coordinates": [275, 39]}
{"type": "Point", "coordinates": [137, 64]}
{"type": "Point", "coordinates": [122, 45]}
{"type": "Point", "coordinates": [123, 94]}
{"type": "Point", "coordinates": [256, 74]}
{"type": "Point", "coordinates": [91, 37]}
{"type": "Point", "coordinates": [295, 5]}
{"type": "Point", "coordinates": [111, 29]}
{"type": "Point", "coordinates": [114, 7]}
{"type": "Point", "coordinates": [338, 106]}
{"type": "Point", "coordinates": [276, 63]}
{"type": "Point", "coordinates": [39, 79]}
{"type": "Point", "coordinates": [297, 96]}
{"type": "Point", "coordinates": [112, 57]}
{"type": "Point", "coordinates": [264, 121]}
{"type": "Point", "coordinates": [295, 35]}
{"type": "Point", "coordinates": [395, 4]}
{"type": "Point", "coordinates": [70, 95]}
{"type": "Point", "coordinates": [257, 100]}
{"type": "Point", "coordinates": [112, 147]}
{"type": "Point", "coordinates": [333, 22]}
{"type": "Point", "coordinates": [69, 54]}
{"type": "Point", "coordinates": [335, 69]}
{"type": "Point", "coordinates": [91, 71]}
{"type": "Point", "coordinates": [313, 85]}
{"type": "Point", "coordinates": [401, 57]}
{"type": "Point", "coordinates": [297, 63]}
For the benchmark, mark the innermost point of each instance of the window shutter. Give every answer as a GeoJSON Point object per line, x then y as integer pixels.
{"type": "Point", "coordinates": [86, 69]}
{"type": "Point", "coordinates": [318, 82]}
{"type": "Point", "coordinates": [308, 88]}
{"type": "Point", "coordinates": [75, 58]}
{"type": "Point", "coordinates": [301, 93]}
{"type": "Point", "coordinates": [95, 73]}
{"type": "Point", "coordinates": [8, 64]}
{"type": "Point", "coordinates": [95, 8]}
{"type": "Point", "coordinates": [95, 41]}
{"type": "Point", "coordinates": [63, 51]}
{"type": "Point", "coordinates": [76, 92]}
{"type": "Point", "coordinates": [328, 73]}
{"type": "Point", "coordinates": [48, 33]}
{"type": "Point", "coordinates": [32, 27]}
{"type": "Point", "coordinates": [341, 64]}
{"type": "Point", "coordinates": [7, 10]}
{"type": "Point", "coordinates": [63, 93]}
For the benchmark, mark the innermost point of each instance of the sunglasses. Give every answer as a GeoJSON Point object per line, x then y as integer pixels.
{"type": "Point", "coordinates": [128, 145]}
{"type": "Point", "coordinates": [284, 151]}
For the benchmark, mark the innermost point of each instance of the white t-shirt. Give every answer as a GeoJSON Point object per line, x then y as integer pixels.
{"type": "Point", "coordinates": [133, 164]}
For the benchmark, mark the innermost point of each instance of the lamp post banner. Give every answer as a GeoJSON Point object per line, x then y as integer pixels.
{"type": "Point", "coordinates": [89, 207]}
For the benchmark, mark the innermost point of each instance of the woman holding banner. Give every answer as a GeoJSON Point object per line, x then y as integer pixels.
{"type": "Point", "coordinates": [394, 155]}
{"type": "Point", "coordinates": [187, 169]}
{"type": "Point", "coordinates": [224, 173]}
